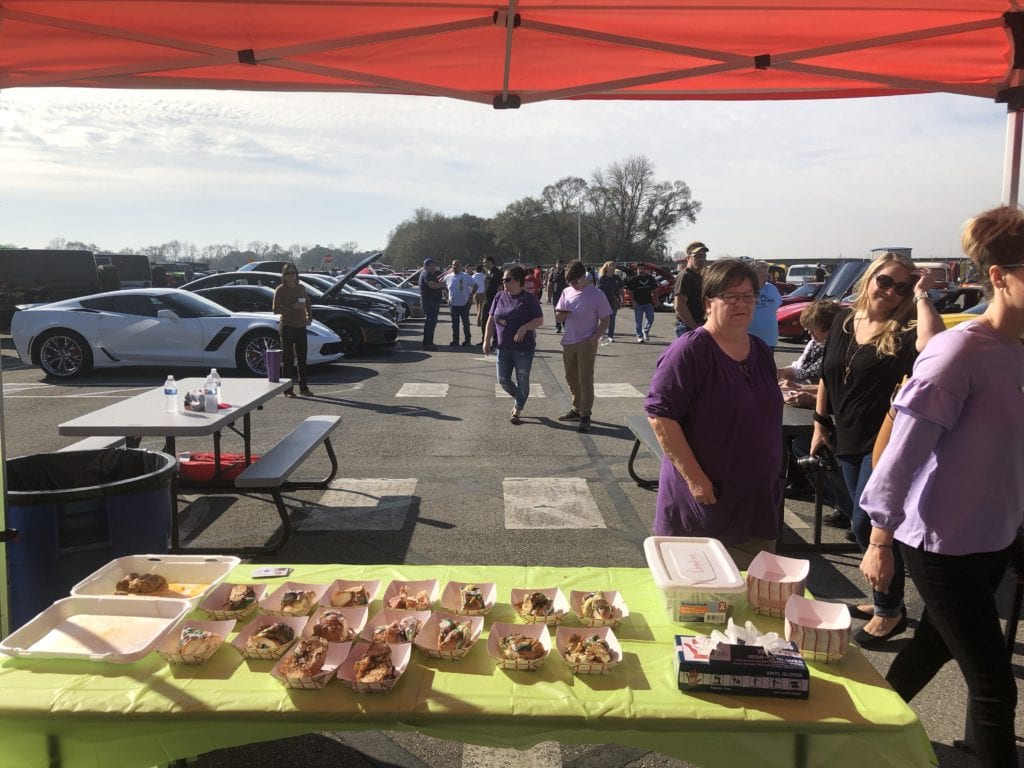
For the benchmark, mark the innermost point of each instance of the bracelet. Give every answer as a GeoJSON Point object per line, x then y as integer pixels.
{"type": "Point", "coordinates": [880, 546]}
{"type": "Point", "coordinates": [919, 297]}
{"type": "Point", "coordinates": [825, 421]}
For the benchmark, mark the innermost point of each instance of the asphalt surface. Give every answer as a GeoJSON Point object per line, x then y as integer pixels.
{"type": "Point", "coordinates": [450, 459]}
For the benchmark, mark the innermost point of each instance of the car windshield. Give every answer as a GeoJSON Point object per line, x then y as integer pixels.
{"type": "Point", "coordinates": [185, 304]}
{"type": "Point", "coordinates": [807, 289]}
{"type": "Point", "coordinates": [359, 284]}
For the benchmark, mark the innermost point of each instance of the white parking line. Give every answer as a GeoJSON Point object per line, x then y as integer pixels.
{"type": "Point", "coordinates": [536, 390]}
{"type": "Point", "coordinates": [616, 390]}
{"type": "Point", "coordinates": [547, 754]}
{"type": "Point", "coordinates": [410, 389]}
{"type": "Point", "coordinates": [549, 502]}
{"type": "Point", "coordinates": [364, 504]}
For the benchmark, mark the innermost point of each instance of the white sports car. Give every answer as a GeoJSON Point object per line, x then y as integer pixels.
{"type": "Point", "coordinates": [152, 326]}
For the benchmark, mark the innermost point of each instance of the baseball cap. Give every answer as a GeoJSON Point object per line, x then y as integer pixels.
{"type": "Point", "coordinates": [696, 247]}
{"type": "Point", "coordinates": [428, 262]}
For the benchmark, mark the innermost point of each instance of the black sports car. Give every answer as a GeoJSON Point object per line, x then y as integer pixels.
{"type": "Point", "coordinates": [355, 328]}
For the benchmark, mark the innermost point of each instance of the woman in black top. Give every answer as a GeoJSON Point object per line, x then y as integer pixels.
{"type": "Point", "coordinates": [870, 348]}
{"type": "Point", "coordinates": [611, 285]}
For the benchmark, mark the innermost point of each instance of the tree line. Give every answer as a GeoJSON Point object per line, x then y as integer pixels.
{"type": "Point", "coordinates": [621, 213]}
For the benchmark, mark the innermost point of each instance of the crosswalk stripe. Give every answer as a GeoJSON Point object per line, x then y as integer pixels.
{"type": "Point", "coordinates": [411, 389]}
{"type": "Point", "coordinates": [363, 504]}
{"type": "Point", "coordinates": [536, 390]}
{"type": "Point", "coordinates": [616, 390]}
{"type": "Point", "coordinates": [549, 502]}
{"type": "Point", "coordinates": [547, 754]}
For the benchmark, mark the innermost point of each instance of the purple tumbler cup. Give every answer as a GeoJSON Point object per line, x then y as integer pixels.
{"type": "Point", "coordinates": [273, 359]}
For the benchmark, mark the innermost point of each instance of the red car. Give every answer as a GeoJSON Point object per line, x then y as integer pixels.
{"type": "Point", "coordinates": [666, 284]}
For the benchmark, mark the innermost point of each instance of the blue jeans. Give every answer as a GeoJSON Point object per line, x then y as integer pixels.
{"type": "Point", "coordinates": [611, 323]}
{"type": "Point", "coordinates": [681, 328]}
{"type": "Point", "coordinates": [520, 361]}
{"type": "Point", "coordinates": [640, 313]}
{"type": "Point", "coordinates": [460, 312]}
{"type": "Point", "coordinates": [430, 312]}
{"type": "Point", "coordinates": [856, 469]}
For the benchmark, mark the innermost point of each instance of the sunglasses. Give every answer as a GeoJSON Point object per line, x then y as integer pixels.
{"type": "Point", "coordinates": [900, 289]}
{"type": "Point", "coordinates": [509, 280]}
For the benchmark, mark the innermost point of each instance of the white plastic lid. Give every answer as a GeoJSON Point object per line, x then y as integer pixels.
{"type": "Point", "coordinates": [691, 563]}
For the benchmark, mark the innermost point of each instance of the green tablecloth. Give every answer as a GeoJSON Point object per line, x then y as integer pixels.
{"type": "Point", "coordinates": [87, 714]}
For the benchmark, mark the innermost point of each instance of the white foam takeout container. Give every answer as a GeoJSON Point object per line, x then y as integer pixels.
{"type": "Point", "coordinates": [168, 649]}
{"type": "Point", "coordinates": [696, 575]}
{"type": "Point", "coordinates": [336, 654]}
{"type": "Point", "coordinates": [821, 629]}
{"type": "Point", "coordinates": [451, 598]}
{"type": "Point", "coordinates": [109, 629]}
{"type": "Point", "coordinates": [771, 579]}
{"type": "Point", "coordinates": [562, 635]}
{"type": "Point", "coordinates": [620, 610]}
{"type": "Point", "coordinates": [426, 639]}
{"type": "Point", "coordinates": [209, 570]}
{"type": "Point", "coordinates": [400, 655]}
{"type": "Point", "coordinates": [537, 631]}
{"type": "Point", "coordinates": [554, 594]}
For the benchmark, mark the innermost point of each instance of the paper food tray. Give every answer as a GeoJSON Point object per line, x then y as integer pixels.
{"type": "Point", "coordinates": [400, 655]}
{"type": "Point", "coordinates": [562, 636]}
{"type": "Point", "coordinates": [168, 649]}
{"type": "Point", "coordinates": [386, 616]}
{"type": "Point", "coordinates": [109, 629]}
{"type": "Point", "coordinates": [451, 598]}
{"type": "Point", "coordinates": [554, 594]}
{"type": "Point", "coordinates": [620, 610]}
{"type": "Point", "coordinates": [297, 623]}
{"type": "Point", "coordinates": [412, 589]}
{"type": "Point", "coordinates": [356, 618]}
{"type": "Point", "coordinates": [197, 575]}
{"type": "Point", "coordinates": [372, 587]}
{"type": "Point", "coordinates": [272, 603]}
{"type": "Point", "coordinates": [772, 579]}
{"type": "Point", "coordinates": [336, 654]}
{"type": "Point", "coordinates": [536, 631]}
{"type": "Point", "coordinates": [213, 604]}
{"type": "Point", "coordinates": [427, 637]}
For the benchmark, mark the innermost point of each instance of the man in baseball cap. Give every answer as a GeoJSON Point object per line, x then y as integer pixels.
{"type": "Point", "coordinates": [689, 305]}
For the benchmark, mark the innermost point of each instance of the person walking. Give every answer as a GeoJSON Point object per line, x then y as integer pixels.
{"type": "Point", "coordinates": [687, 293]}
{"type": "Point", "coordinates": [765, 324]}
{"type": "Point", "coordinates": [557, 279]}
{"type": "Point", "coordinates": [296, 312]}
{"type": "Point", "coordinates": [948, 492]}
{"type": "Point", "coordinates": [494, 277]}
{"type": "Point", "coordinates": [515, 315]}
{"type": "Point", "coordinates": [460, 288]}
{"type": "Point", "coordinates": [642, 286]}
{"type": "Point", "coordinates": [538, 281]}
{"type": "Point", "coordinates": [430, 294]}
{"type": "Point", "coordinates": [480, 283]}
{"type": "Point", "coordinates": [611, 286]}
{"type": "Point", "coordinates": [584, 311]}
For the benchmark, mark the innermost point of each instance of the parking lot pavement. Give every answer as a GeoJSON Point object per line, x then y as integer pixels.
{"type": "Point", "coordinates": [438, 475]}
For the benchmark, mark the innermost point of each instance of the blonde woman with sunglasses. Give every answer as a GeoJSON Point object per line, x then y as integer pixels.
{"type": "Point", "coordinates": [871, 347]}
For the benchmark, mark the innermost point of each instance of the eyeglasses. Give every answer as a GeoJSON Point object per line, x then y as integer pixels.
{"type": "Point", "coordinates": [509, 280]}
{"type": "Point", "coordinates": [1008, 266]}
{"type": "Point", "coordinates": [900, 289]}
{"type": "Point", "coordinates": [736, 298]}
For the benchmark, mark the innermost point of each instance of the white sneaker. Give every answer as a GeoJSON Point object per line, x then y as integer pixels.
{"type": "Point", "coordinates": [639, 339]}
{"type": "Point", "coordinates": [647, 336]}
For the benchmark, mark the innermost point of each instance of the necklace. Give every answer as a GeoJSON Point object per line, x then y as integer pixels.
{"type": "Point", "coordinates": [856, 346]}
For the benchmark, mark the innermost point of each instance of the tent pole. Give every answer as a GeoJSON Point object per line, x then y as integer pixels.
{"type": "Point", "coordinates": [1011, 156]}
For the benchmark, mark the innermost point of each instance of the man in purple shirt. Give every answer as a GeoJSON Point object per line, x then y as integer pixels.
{"type": "Point", "coordinates": [584, 311]}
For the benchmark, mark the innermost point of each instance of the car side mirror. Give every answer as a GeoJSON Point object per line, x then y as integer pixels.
{"type": "Point", "coordinates": [167, 314]}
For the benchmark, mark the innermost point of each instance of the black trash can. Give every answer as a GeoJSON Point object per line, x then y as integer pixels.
{"type": "Point", "coordinates": [77, 511]}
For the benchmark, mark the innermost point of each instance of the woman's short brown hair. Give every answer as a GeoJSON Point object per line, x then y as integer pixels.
{"type": "Point", "coordinates": [574, 270]}
{"type": "Point", "coordinates": [992, 238]}
{"type": "Point", "coordinates": [720, 276]}
{"type": "Point", "coordinates": [818, 315]}
{"type": "Point", "coordinates": [517, 273]}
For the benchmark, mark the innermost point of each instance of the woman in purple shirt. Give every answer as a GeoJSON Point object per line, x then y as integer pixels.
{"type": "Point", "coordinates": [716, 408]}
{"type": "Point", "coordinates": [515, 315]}
{"type": "Point", "coordinates": [949, 490]}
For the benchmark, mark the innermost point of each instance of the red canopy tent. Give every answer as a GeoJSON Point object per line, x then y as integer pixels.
{"type": "Point", "coordinates": [512, 54]}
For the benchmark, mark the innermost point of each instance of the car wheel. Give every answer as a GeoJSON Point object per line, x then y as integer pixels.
{"type": "Point", "coordinates": [63, 354]}
{"type": "Point", "coordinates": [250, 355]}
{"type": "Point", "coordinates": [351, 339]}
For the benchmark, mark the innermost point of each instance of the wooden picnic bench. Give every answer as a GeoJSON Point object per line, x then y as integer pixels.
{"type": "Point", "coordinates": [644, 434]}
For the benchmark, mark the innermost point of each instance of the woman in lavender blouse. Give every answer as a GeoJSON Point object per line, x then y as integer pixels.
{"type": "Point", "coordinates": [716, 408]}
{"type": "Point", "coordinates": [949, 490]}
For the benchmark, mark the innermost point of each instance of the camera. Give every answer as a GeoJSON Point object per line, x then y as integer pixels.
{"type": "Point", "coordinates": [822, 461]}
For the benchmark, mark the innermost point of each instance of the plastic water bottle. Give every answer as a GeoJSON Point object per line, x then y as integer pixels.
{"type": "Point", "coordinates": [210, 394]}
{"type": "Point", "coordinates": [171, 395]}
{"type": "Point", "coordinates": [216, 380]}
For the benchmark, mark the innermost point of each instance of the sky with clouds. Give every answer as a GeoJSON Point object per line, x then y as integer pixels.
{"type": "Point", "coordinates": [126, 169]}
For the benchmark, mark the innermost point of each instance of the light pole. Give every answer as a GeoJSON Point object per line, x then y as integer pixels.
{"type": "Point", "coordinates": [579, 227]}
